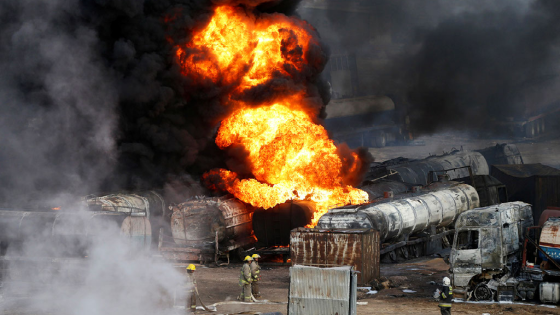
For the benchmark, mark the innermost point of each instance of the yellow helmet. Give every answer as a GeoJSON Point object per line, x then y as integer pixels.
{"type": "Point", "coordinates": [248, 258]}
{"type": "Point", "coordinates": [256, 256]}
{"type": "Point", "coordinates": [191, 267]}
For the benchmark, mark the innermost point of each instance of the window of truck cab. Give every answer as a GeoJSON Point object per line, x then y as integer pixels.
{"type": "Point", "coordinates": [467, 239]}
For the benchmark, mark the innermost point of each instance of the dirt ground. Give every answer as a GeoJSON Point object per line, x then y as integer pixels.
{"type": "Point", "coordinates": [419, 275]}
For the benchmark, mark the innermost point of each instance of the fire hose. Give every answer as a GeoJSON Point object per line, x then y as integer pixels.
{"type": "Point", "coordinates": [201, 303]}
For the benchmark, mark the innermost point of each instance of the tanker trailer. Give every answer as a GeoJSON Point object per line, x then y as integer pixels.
{"type": "Point", "coordinates": [456, 164]}
{"type": "Point", "coordinates": [203, 229]}
{"type": "Point", "coordinates": [147, 204]}
{"type": "Point", "coordinates": [416, 225]}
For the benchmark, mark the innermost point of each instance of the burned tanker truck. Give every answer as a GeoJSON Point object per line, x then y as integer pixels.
{"type": "Point", "coordinates": [410, 225]}
{"type": "Point", "coordinates": [499, 255]}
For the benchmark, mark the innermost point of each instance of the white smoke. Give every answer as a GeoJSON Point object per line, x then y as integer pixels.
{"type": "Point", "coordinates": [58, 104]}
{"type": "Point", "coordinates": [101, 273]}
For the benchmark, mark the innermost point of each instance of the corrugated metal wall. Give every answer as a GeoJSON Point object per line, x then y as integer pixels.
{"type": "Point", "coordinates": [321, 291]}
{"type": "Point", "coordinates": [338, 247]}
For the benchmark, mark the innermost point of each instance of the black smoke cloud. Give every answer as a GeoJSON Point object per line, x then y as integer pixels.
{"type": "Point", "coordinates": [462, 64]}
{"type": "Point", "coordinates": [92, 99]}
{"type": "Point", "coordinates": [479, 68]}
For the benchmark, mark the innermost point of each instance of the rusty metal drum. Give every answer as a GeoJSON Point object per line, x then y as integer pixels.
{"type": "Point", "coordinates": [205, 219]}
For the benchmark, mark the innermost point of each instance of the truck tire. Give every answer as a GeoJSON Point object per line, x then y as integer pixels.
{"type": "Point", "coordinates": [483, 293]}
{"type": "Point", "coordinates": [379, 139]}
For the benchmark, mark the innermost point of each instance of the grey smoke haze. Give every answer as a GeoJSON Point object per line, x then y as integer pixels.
{"type": "Point", "coordinates": [456, 64]}
{"type": "Point", "coordinates": [57, 102]}
{"type": "Point", "coordinates": [118, 276]}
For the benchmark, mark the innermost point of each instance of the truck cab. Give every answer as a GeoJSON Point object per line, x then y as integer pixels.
{"type": "Point", "coordinates": [487, 248]}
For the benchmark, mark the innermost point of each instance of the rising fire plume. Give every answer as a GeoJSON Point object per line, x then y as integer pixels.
{"type": "Point", "coordinates": [289, 155]}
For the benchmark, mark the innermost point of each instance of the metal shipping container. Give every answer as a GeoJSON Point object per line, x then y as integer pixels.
{"type": "Point", "coordinates": [337, 247]}
{"type": "Point", "coordinates": [322, 291]}
{"type": "Point", "coordinates": [536, 184]}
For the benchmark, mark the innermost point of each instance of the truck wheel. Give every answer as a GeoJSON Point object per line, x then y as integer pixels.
{"type": "Point", "coordinates": [542, 124]}
{"type": "Point", "coordinates": [379, 139]}
{"type": "Point", "coordinates": [483, 293]}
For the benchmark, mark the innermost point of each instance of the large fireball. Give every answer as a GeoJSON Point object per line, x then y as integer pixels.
{"type": "Point", "coordinates": [290, 157]}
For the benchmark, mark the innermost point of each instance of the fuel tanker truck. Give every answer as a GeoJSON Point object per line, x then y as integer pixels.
{"type": "Point", "coordinates": [410, 225]}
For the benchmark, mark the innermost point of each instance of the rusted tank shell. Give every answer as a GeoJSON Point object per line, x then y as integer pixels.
{"type": "Point", "coordinates": [272, 226]}
{"type": "Point", "coordinates": [138, 231]}
{"type": "Point", "coordinates": [406, 216]}
{"type": "Point", "coordinates": [199, 220]}
{"type": "Point", "coordinates": [148, 203]}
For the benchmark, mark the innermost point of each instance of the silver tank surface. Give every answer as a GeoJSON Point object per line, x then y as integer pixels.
{"type": "Point", "coordinates": [405, 216]}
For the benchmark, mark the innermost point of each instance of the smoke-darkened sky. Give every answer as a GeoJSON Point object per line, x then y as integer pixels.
{"type": "Point", "coordinates": [457, 64]}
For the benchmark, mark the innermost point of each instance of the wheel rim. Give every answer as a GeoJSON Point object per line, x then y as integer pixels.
{"type": "Point", "coordinates": [482, 292]}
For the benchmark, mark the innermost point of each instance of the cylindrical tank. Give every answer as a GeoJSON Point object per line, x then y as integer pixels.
{"type": "Point", "coordinates": [199, 220]}
{"type": "Point", "coordinates": [272, 226]}
{"type": "Point", "coordinates": [149, 203]}
{"type": "Point", "coordinates": [549, 292]}
{"type": "Point", "coordinates": [417, 172]}
{"type": "Point", "coordinates": [405, 216]}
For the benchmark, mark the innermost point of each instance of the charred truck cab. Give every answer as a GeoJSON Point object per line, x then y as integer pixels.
{"type": "Point", "coordinates": [486, 251]}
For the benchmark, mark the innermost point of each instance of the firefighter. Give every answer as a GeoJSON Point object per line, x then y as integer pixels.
{"type": "Point", "coordinates": [245, 280]}
{"type": "Point", "coordinates": [255, 273]}
{"type": "Point", "coordinates": [190, 306]}
{"type": "Point", "coordinates": [445, 297]}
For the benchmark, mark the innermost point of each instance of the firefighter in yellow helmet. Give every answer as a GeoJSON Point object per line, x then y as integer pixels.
{"type": "Point", "coordinates": [245, 280]}
{"type": "Point", "coordinates": [190, 305]}
{"type": "Point", "coordinates": [255, 273]}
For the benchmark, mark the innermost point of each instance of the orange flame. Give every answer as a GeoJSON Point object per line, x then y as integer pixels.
{"type": "Point", "coordinates": [237, 47]}
{"type": "Point", "coordinates": [290, 156]}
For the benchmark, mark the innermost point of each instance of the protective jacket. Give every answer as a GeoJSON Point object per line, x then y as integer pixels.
{"type": "Point", "coordinates": [446, 296]}
{"type": "Point", "coordinates": [245, 277]}
{"type": "Point", "coordinates": [255, 270]}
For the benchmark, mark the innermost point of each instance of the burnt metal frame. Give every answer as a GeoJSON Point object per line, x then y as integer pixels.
{"type": "Point", "coordinates": [431, 173]}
